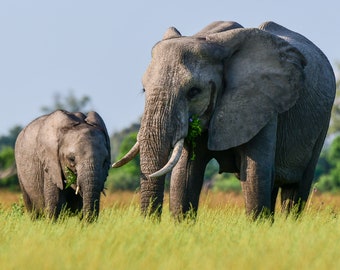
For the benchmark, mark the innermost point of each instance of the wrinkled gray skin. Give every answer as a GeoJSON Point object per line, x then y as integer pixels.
{"type": "Point", "coordinates": [264, 98]}
{"type": "Point", "coordinates": [53, 142]}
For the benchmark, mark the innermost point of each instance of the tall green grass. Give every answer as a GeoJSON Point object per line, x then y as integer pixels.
{"type": "Point", "coordinates": [221, 238]}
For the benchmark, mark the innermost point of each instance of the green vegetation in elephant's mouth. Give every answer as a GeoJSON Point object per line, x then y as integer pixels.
{"type": "Point", "coordinates": [71, 177]}
{"type": "Point", "coordinates": [194, 131]}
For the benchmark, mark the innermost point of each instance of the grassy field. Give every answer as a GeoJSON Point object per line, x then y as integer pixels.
{"type": "Point", "coordinates": [221, 238]}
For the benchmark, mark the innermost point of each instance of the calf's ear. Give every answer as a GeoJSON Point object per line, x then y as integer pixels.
{"type": "Point", "coordinates": [49, 137]}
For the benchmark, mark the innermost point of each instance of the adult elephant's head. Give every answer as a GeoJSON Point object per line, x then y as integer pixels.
{"type": "Point", "coordinates": [231, 78]}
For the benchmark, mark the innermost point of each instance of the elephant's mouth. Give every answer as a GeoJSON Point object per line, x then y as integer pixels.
{"type": "Point", "coordinates": [70, 180]}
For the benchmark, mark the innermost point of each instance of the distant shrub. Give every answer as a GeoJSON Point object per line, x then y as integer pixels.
{"type": "Point", "coordinates": [328, 168]}
{"type": "Point", "coordinates": [226, 183]}
{"type": "Point", "coordinates": [7, 163]}
{"type": "Point", "coordinates": [126, 177]}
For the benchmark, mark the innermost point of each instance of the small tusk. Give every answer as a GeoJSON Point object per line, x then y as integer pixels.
{"type": "Point", "coordinates": [77, 190]}
{"type": "Point", "coordinates": [176, 154]}
{"type": "Point", "coordinates": [103, 191]}
{"type": "Point", "coordinates": [128, 157]}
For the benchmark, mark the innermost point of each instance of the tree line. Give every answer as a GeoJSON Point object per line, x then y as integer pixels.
{"type": "Point", "coordinates": [327, 174]}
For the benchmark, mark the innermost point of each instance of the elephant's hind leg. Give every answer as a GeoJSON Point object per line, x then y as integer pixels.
{"type": "Point", "coordinates": [295, 196]}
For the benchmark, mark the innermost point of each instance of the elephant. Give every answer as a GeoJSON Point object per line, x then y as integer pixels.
{"type": "Point", "coordinates": [262, 100]}
{"type": "Point", "coordinates": [62, 161]}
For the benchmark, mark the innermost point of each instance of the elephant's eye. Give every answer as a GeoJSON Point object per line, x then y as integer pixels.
{"type": "Point", "coordinates": [194, 91]}
{"type": "Point", "coordinates": [71, 159]}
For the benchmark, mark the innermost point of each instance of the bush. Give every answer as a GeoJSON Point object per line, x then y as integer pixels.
{"type": "Point", "coordinates": [7, 162]}
{"type": "Point", "coordinates": [330, 182]}
{"type": "Point", "coordinates": [328, 168]}
{"type": "Point", "coordinates": [226, 183]}
{"type": "Point", "coordinates": [126, 177]}
{"type": "Point", "coordinates": [119, 179]}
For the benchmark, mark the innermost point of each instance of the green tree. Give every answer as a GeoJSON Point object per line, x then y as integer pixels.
{"type": "Point", "coordinates": [323, 166]}
{"type": "Point", "coordinates": [8, 177]}
{"type": "Point", "coordinates": [126, 177]}
{"type": "Point", "coordinates": [226, 182]}
{"type": "Point", "coordinates": [118, 137]}
{"type": "Point", "coordinates": [9, 140]}
{"type": "Point", "coordinates": [69, 103]}
{"type": "Point", "coordinates": [329, 168]}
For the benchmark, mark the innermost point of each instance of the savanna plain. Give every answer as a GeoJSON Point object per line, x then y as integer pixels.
{"type": "Point", "coordinates": [222, 237]}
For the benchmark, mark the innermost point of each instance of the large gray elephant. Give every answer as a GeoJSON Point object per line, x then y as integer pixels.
{"type": "Point", "coordinates": [262, 97]}
{"type": "Point", "coordinates": [62, 161]}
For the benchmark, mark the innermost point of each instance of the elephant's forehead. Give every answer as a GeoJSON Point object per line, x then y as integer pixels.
{"type": "Point", "coordinates": [178, 48]}
{"type": "Point", "coordinates": [166, 72]}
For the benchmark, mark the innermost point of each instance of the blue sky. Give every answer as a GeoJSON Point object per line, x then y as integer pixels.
{"type": "Point", "coordinates": [101, 48]}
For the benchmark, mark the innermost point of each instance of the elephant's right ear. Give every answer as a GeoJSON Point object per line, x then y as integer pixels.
{"type": "Point", "coordinates": [48, 144]}
{"type": "Point", "coordinates": [263, 76]}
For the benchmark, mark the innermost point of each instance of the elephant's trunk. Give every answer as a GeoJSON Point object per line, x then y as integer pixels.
{"type": "Point", "coordinates": [160, 130]}
{"type": "Point", "coordinates": [155, 147]}
{"type": "Point", "coordinates": [91, 205]}
{"type": "Point", "coordinates": [152, 188]}
{"type": "Point", "coordinates": [91, 185]}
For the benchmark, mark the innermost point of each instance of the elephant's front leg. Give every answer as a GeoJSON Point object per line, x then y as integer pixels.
{"type": "Point", "coordinates": [186, 182]}
{"type": "Point", "coordinates": [257, 171]}
{"type": "Point", "coordinates": [52, 195]}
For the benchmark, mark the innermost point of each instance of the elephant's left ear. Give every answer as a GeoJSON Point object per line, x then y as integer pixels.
{"type": "Point", "coordinates": [263, 77]}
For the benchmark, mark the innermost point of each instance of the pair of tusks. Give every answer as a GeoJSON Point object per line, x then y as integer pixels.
{"type": "Point", "coordinates": [176, 154]}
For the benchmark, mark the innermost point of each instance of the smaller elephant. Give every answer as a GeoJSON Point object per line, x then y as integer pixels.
{"type": "Point", "coordinates": [62, 161]}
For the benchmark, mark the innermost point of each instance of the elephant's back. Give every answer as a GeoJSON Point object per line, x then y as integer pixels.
{"type": "Point", "coordinates": [319, 74]}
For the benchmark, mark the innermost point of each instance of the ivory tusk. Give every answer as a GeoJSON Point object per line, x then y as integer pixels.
{"type": "Point", "coordinates": [176, 154]}
{"type": "Point", "coordinates": [77, 190]}
{"type": "Point", "coordinates": [128, 157]}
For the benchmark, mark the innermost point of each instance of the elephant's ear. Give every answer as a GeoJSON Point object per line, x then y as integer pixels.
{"type": "Point", "coordinates": [172, 32]}
{"type": "Point", "coordinates": [48, 143]}
{"type": "Point", "coordinates": [263, 77]}
{"type": "Point", "coordinates": [94, 119]}
{"type": "Point", "coordinates": [217, 27]}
